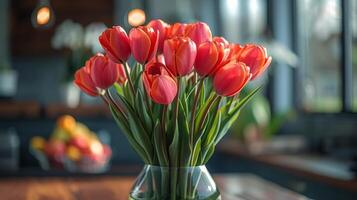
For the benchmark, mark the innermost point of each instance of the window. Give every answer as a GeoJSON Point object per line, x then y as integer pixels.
{"type": "Point", "coordinates": [319, 38]}
{"type": "Point", "coordinates": [327, 44]}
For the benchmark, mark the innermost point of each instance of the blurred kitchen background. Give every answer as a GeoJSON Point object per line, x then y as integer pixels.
{"type": "Point", "coordinates": [300, 132]}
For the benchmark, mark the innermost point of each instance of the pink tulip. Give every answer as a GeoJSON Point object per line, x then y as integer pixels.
{"type": "Point", "coordinates": [143, 43]}
{"type": "Point", "coordinates": [199, 32]}
{"type": "Point", "coordinates": [115, 42]}
{"type": "Point", "coordinates": [84, 81]}
{"type": "Point", "coordinates": [159, 85]}
{"type": "Point", "coordinates": [160, 27]}
{"type": "Point", "coordinates": [104, 72]}
{"type": "Point", "coordinates": [180, 54]}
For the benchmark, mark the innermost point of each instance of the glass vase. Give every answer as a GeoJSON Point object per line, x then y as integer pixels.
{"type": "Point", "coordinates": [174, 183]}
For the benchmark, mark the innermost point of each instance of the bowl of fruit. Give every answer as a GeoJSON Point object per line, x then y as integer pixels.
{"type": "Point", "coordinates": [71, 146]}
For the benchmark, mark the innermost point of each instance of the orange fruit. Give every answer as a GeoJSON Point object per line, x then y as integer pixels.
{"type": "Point", "coordinates": [67, 122]}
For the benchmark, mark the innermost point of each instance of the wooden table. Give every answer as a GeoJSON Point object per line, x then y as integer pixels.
{"type": "Point", "coordinates": [232, 187]}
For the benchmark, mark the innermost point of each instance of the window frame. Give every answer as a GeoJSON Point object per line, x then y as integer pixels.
{"type": "Point", "coordinates": [346, 74]}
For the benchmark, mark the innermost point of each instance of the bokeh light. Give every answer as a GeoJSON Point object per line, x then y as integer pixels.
{"type": "Point", "coordinates": [43, 16]}
{"type": "Point", "coordinates": [136, 17]}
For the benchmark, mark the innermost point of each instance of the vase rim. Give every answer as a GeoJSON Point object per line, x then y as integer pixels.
{"type": "Point", "coordinates": [176, 167]}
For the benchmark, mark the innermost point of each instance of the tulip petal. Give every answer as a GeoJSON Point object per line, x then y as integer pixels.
{"type": "Point", "coordinates": [230, 79]}
{"type": "Point", "coordinates": [115, 42]}
{"type": "Point", "coordinates": [169, 55]}
{"type": "Point", "coordinates": [254, 57]}
{"type": "Point", "coordinates": [84, 82]}
{"type": "Point", "coordinates": [206, 59]}
{"type": "Point", "coordinates": [140, 44]}
{"type": "Point", "coordinates": [185, 57]}
{"type": "Point", "coordinates": [164, 90]}
{"type": "Point", "coordinates": [104, 72]}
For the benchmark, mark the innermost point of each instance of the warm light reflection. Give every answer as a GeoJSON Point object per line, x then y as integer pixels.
{"type": "Point", "coordinates": [43, 16]}
{"type": "Point", "coordinates": [136, 17]}
{"type": "Point", "coordinates": [96, 148]}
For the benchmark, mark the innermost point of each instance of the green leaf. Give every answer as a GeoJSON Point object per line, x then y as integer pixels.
{"type": "Point", "coordinates": [208, 154]}
{"type": "Point", "coordinates": [139, 132]}
{"type": "Point", "coordinates": [142, 108]}
{"type": "Point", "coordinates": [160, 145]}
{"type": "Point", "coordinates": [200, 111]}
{"type": "Point", "coordinates": [174, 148]}
{"type": "Point", "coordinates": [119, 89]}
{"type": "Point", "coordinates": [244, 101]}
{"type": "Point", "coordinates": [121, 121]}
{"type": "Point", "coordinates": [128, 95]}
{"type": "Point", "coordinates": [196, 153]}
{"type": "Point", "coordinates": [184, 133]}
{"type": "Point", "coordinates": [232, 116]}
{"type": "Point", "coordinates": [213, 131]}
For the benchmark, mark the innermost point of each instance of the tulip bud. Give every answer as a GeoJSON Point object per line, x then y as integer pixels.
{"type": "Point", "coordinates": [104, 72]}
{"type": "Point", "coordinates": [159, 85]}
{"type": "Point", "coordinates": [256, 58]}
{"type": "Point", "coordinates": [180, 54]}
{"type": "Point", "coordinates": [199, 32]}
{"type": "Point", "coordinates": [210, 56]}
{"type": "Point", "coordinates": [231, 78]}
{"type": "Point", "coordinates": [143, 43]}
{"type": "Point", "coordinates": [160, 27]}
{"type": "Point", "coordinates": [84, 81]}
{"type": "Point", "coordinates": [115, 42]}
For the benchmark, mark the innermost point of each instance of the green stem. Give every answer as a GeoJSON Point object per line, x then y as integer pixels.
{"type": "Point", "coordinates": [177, 103]}
{"type": "Point", "coordinates": [164, 136]}
{"type": "Point", "coordinates": [129, 78]}
{"type": "Point", "coordinates": [194, 111]}
{"type": "Point", "coordinates": [178, 96]}
{"type": "Point", "coordinates": [173, 177]}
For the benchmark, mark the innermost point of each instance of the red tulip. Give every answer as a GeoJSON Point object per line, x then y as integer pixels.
{"type": "Point", "coordinates": [180, 54]}
{"type": "Point", "coordinates": [256, 58]}
{"type": "Point", "coordinates": [175, 30]}
{"type": "Point", "coordinates": [104, 72]}
{"type": "Point", "coordinates": [84, 81]}
{"type": "Point", "coordinates": [115, 42]}
{"type": "Point", "coordinates": [199, 32]}
{"type": "Point", "coordinates": [231, 78]}
{"type": "Point", "coordinates": [160, 27]}
{"type": "Point", "coordinates": [210, 56]}
{"type": "Point", "coordinates": [143, 43]}
{"type": "Point", "coordinates": [159, 85]}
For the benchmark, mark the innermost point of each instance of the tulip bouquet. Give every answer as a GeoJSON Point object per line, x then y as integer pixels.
{"type": "Point", "coordinates": [180, 97]}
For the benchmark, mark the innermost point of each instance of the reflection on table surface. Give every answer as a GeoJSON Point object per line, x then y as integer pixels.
{"type": "Point", "coordinates": [232, 186]}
